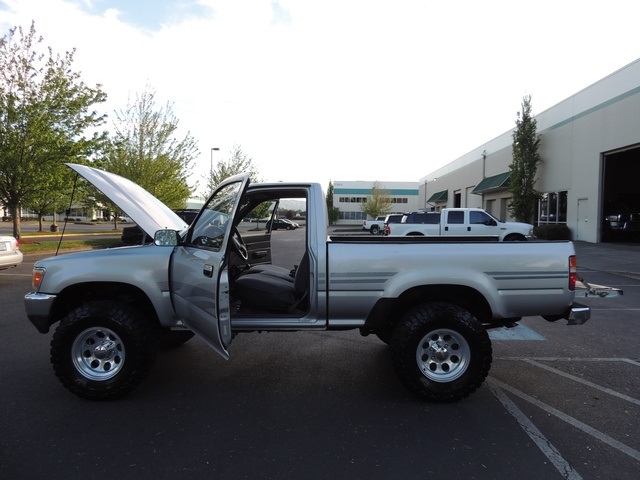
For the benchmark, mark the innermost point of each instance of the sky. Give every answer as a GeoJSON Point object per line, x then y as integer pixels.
{"type": "Point", "coordinates": [339, 90]}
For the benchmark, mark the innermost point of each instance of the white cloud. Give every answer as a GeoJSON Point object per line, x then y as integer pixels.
{"type": "Point", "coordinates": [348, 90]}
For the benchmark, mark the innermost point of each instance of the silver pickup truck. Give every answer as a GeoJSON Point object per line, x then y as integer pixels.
{"type": "Point", "coordinates": [431, 300]}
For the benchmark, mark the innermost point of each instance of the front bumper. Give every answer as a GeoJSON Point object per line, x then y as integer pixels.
{"type": "Point", "coordinates": [38, 306]}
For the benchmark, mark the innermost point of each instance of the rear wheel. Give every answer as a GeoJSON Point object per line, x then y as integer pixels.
{"type": "Point", "coordinates": [441, 352]}
{"type": "Point", "coordinates": [375, 229]}
{"type": "Point", "coordinates": [102, 350]}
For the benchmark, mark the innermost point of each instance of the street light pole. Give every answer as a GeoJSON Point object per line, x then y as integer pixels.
{"type": "Point", "coordinates": [212, 150]}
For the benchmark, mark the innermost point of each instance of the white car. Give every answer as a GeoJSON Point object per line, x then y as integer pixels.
{"type": "Point", "coordinates": [10, 254]}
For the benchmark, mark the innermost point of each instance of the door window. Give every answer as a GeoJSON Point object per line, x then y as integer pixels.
{"type": "Point", "coordinates": [456, 217]}
{"type": "Point", "coordinates": [480, 218]}
{"type": "Point", "coordinates": [212, 226]}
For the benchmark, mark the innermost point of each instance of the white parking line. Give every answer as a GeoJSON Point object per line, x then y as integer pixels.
{"type": "Point", "coordinates": [604, 438]}
{"type": "Point", "coordinates": [575, 359]}
{"type": "Point", "coordinates": [615, 309]}
{"type": "Point", "coordinates": [536, 435]}
{"type": "Point", "coordinates": [582, 381]}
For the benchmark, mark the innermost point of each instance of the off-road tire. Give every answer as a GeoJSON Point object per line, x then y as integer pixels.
{"type": "Point", "coordinates": [441, 352]}
{"type": "Point", "coordinates": [103, 349]}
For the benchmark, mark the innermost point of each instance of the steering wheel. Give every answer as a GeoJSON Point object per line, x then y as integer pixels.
{"type": "Point", "coordinates": [238, 244]}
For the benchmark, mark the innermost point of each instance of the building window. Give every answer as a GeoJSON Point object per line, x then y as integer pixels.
{"type": "Point", "coordinates": [364, 199]}
{"type": "Point", "coordinates": [552, 208]}
{"type": "Point", "coordinates": [352, 215]}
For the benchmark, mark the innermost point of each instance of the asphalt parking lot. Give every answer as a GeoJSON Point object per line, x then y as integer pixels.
{"type": "Point", "coordinates": [560, 402]}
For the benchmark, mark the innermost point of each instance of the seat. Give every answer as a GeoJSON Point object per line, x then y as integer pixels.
{"type": "Point", "coordinates": [269, 291]}
{"type": "Point", "coordinates": [274, 270]}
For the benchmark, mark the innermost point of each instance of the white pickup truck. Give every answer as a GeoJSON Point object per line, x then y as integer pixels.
{"type": "Point", "coordinates": [431, 299]}
{"type": "Point", "coordinates": [460, 222]}
{"type": "Point", "coordinates": [375, 226]}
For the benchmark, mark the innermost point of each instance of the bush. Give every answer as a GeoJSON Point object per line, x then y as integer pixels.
{"type": "Point", "coordinates": [552, 232]}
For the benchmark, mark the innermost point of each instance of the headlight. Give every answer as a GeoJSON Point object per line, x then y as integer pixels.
{"type": "Point", "coordinates": [38, 276]}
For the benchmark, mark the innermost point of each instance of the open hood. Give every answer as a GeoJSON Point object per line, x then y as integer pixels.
{"type": "Point", "coordinates": [143, 208]}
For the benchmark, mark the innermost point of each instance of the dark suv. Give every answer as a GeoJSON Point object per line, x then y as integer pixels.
{"type": "Point", "coordinates": [135, 236]}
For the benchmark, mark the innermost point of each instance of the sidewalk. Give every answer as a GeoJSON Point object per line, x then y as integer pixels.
{"type": "Point", "coordinates": [617, 258]}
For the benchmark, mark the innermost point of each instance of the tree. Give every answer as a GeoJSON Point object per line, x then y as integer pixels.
{"type": "Point", "coordinates": [45, 110]}
{"type": "Point", "coordinates": [53, 196]}
{"type": "Point", "coordinates": [144, 149]}
{"type": "Point", "coordinates": [334, 212]}
{"type": "Point", "coordinates": [379, 203]}
{"type": "Point", "coordinates": [523, 169]}
{"type": "Point", "coordinates": [239, 162]}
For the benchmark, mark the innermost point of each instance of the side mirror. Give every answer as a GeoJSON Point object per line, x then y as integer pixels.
{"type": "Point", "coordinates": [166, 238]}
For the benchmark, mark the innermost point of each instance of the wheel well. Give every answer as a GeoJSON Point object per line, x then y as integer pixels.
{"type": "Point", "coordinates": [388, 311]}
{"type": "Point", "coordinates": [75, 295]}
{"type": "Point", "coordinates": [515, 237]}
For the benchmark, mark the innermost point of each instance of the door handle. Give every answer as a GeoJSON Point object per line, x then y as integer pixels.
{"type": "Point", "coordinates": [207, 270]}
{"type": "Point", "coordinates": [468, 229]}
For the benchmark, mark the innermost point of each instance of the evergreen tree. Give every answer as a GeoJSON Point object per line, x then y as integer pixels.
{"type": "Point", "coordinates": [333, 212]}
{"type": "Point", "coordinates": [523, 169]}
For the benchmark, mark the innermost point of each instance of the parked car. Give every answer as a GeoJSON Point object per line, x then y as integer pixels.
{"type": "Point", "coordinates": [620, 220]}
{"type": "Point", "coordinates": [10, 254]}
{"type": "Point", "coordinates": [460, 222]}
{"type": "Point", "coordinates": [134, 235]}
{"type": "Point", "coordinates": [282, 223]}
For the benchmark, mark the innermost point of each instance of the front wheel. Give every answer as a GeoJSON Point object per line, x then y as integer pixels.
{"type": "Point", "coordinates": [102, 350]}
{"type": "Point", "coordinates": [441, 352]}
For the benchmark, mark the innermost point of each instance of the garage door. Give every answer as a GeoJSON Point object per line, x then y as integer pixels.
{"type": "Point", "coordinates": [621, 196]}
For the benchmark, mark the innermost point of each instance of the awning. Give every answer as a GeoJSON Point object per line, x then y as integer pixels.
{"type": "Point", "coordinates": [439, 197]}
{"type": "Point", "coordinates": [489, 184]}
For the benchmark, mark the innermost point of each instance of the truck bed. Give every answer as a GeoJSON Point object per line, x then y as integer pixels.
{"type": "Point", "coordinates": [346, 238]}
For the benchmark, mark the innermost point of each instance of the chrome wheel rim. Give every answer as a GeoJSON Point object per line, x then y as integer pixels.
{"type": "Point", "coordinates": [98, 353]}
{"type": "Point", "coordinates": [443, 355]}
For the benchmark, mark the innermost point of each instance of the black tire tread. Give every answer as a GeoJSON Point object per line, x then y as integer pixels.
{"type": "Point", "coordinates": [417, 323]}
{"type": "Point", "coordinates": [141, 347]}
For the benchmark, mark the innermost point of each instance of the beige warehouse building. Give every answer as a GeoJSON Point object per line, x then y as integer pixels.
{"type": "Point", "coordinates": [590, 148]}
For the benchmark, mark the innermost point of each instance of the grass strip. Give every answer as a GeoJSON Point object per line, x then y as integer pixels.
{"type": "Point", "coordinates": [30, 246]}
